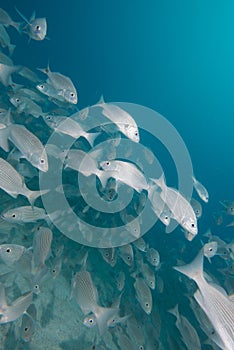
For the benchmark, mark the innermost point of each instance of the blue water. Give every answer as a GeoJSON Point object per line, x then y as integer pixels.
{"type": "Point", "coordinates": [175, 57]}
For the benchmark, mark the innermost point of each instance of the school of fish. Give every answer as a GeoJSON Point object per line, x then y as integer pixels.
{"type": "Point", "coordinates": [145, 294]}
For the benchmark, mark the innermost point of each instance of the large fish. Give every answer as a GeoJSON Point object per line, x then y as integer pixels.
{"type": "Point", "coordinates": [214, 302]}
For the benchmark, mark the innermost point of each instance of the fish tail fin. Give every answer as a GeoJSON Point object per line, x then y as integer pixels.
{"type": "Point", "coordinates": [174, 311]}
{"type": "Point", "coordinates": [91, 137]}
{"type": "Point", "coordinates": [103, 314]}
{"type": "Point", "coordinates": [18, 26]}
{"type": "Point", "coordinates": [193, 270]}
{"type": "Point", "coordinates": [33, 195]}
{"type": "Point", "coordinates": [160, 182]}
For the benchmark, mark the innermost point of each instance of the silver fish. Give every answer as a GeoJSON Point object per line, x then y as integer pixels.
{"type": "Point", "coordinates": [201, 190]}
{"type": "Point", "coordinates": [86, 296]}
{"type": "Point", "coordinates": [12, 183]}
{"type": "Point", "coordinates": [210, 249]}
{"type": "Point", "coordinates": [189, 334]}
{"type": "Point", "coordinates": [180, 208]}
{"type": "Point", "coordinates": [5, 73]}
{"type": "Point", "coordinates": [217, 306]}
{"type": "Point", "coordinates": [228, 205]}
{"type": "Point", "coordinates": [35, 28]}
{"type": "Point", "coordinates": [62, 84]}
{"type": "Point", "coordinates": [120, 281]}
{"type": "Point", "coordinates": [49, 91]}
{"type": "Point", "coordinates": [16, 309]}
{"type": "Point", "coordinates": [153, 257]}
{"type": "Point", "coordinates": [41, 246]}
{"type": "Point", "coordinates": [6, 20]}
{"type": "Point", "coordinates": [29, 145]}
{"type": "Point", "coordinates": [24, 214]}
{"type": "Point", "coordinates": [5, 40]}
{"type": "Point", "coordinates": [69, 127]}
{"type": "Point", "coordinates": [159, 207]}
{"type": "Point", "coordinates": [122, 119]}
{"type": "Point", "coordinates": [28, 324]}
{"type": "Point", "coordinates": [11, 253]}
{"type": "Point", "coordinates": [143, 294]}
{"type": "Point", "coordinates": [196, 207]}
{"type": "Point", "coordinates": [125, 172]}
{"type": "Point", "coordinates": [26, 105]}
{"type": "Point", "coordinates": [126, 254]}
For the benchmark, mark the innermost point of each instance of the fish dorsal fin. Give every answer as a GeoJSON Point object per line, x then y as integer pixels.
{"type": "Point", "coordinates": [193, 270]}
{"type": "Point", "coordinates": [32, 17]}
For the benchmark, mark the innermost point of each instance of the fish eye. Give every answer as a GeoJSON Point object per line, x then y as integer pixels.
{"type": "Point", "coordinates": [17, 100]}
{"type": "Point", "coordinates": [38, 28]}
{"type": "Point", "coordinates": [166, 217]}
{"type": "Point", "coordinates": [128, 257]}
{"type": "Point", "coordinates": [107, 163]}
{"type": "Point", "coordinates": [42, 86]}
{"type": "Point", "coordinates": [26, 329]}
{"type": "Point", "coordinates": [210, 249]}
{"type": "Point", "coordinates": [90, 320]}
{"type": "Point", "coordinates": [136, 133]}
{"type": "Point", "coordinates": [72, 94]}
{"type": "Point", "coordinates": [8, 250]}
{"type": "Point", "coordinates": [42, 161]}
{"type": "Point", "coordinates": [13, 215]}
{"type": "Point", "coordinates": [192, 225]}
{"type": "Point", "coordinates": [147, 304]}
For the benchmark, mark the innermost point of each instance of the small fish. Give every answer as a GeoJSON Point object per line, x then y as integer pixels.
{"type": "Point", "coordinates": [24, 214]}
{"type": "Point", "coordinates": [120, 281]}
{"type": "Point", "coordinates": [126, 254]}
{"type": "Point", "coordinates": [11, 253]}
{"type": "Point", "coordinates": [35, 28]}
{"type": "Point", "coordinates": [187, 331]}
{"type": "Point", "coordinates": [62, 84]}
{"type": "Point", "coordinates": [56, 266]}
{"type": "Point", "coordinates": [109, 255]}
{"type": "Point", "coordinates": [69, 127]}
{"type": "Point", "coordinates": [41, 246]}
{"type": "Point", "coordinates": [126, 172]}
{"type": "Point", "coordinates": [49, 91]}
{"type": "Point", "coordinates": [26, 105]}
{"type": "Point", "coordinates": [5, 40]}
{"type": "Point", "coordinates": [12, 183]}
{"type": "Point", "coordinates": [196, 207]}
{"type": "Point", "coordinates": [6, 72]}
{"type": "Point", "coordinates": [201, 190]}
{"type": "Point", "coordinates": [86, 296]}
{"type": "Point", "coordinates": [29, 146]}
{"type": "Point", "coordinates": [180, 208]}
{"type": "Point", "coordinates": [140, 244]}
{"type": "Point", "coordinates": [6, 20]}
{"type": "Point", "coordinates": [16, 309]}
{"type": "Point", "coordinates": [122, 119]}
{"type": "Point", "coordinates": [148, 274]}
{"type": "Point", "coordinates": [229, 206]}
{"type": "Point", "coordinates": [159, 207]}
{"type": "Point", "coordinates": [143, 294]}
{"type": "Point", "coordinates": [210, 249]}
{"type": "Point", "coordinates": [153, 257]}
{"type": "Point", "coordinates": [28, 323]}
